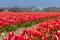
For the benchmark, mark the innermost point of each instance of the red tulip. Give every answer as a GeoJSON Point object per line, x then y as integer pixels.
{"type": "Point", "coordinates": [10, 35]}
{"type": "Point", "coordinates": [1, 27]}
{"type": "Point", "coordinates": [58, 33]}
{"type": "Point", "coordinates": [5, 39]}
{"type": "Point", "coordinates": [46, 37]}
{"type": "Point", "coordinates": [56, 37]}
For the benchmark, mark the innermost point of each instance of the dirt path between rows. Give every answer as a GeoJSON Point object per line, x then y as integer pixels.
{"type": "Point", "coordinates": [20, 30]}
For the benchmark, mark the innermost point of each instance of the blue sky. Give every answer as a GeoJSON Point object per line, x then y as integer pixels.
{"type": "Point", "coordinates": [37, 3]}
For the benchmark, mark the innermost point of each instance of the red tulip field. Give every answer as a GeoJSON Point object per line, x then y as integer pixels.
{"type": "Point", "coordinates": [47, 25]}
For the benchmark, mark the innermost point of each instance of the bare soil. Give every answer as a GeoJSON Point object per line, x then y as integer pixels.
{"type": "Point", "coordinates": [20, 30]}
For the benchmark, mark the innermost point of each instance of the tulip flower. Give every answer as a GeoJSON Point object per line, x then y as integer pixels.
{"type": "Point", "coordinates": [46, 37]}
{"type": "Point", "coordinates": [10, 35]}
{"type": "Point", "coordinates": [56, 37]}
{"type": "Point", "coordinates": [5, 39]}
{"type": "Point", "coordinates": [58, 33]}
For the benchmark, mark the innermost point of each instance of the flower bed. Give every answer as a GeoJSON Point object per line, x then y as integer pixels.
{"type": "Point", "coordinates": [47, 30]}
{"type": "Point", "coordinates": [11, 22]}
{"type": "Point", "coordinates": [48, 25]}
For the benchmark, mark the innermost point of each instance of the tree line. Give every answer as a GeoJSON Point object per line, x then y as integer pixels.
{"type": "Point", "coordinates": [29, 9]}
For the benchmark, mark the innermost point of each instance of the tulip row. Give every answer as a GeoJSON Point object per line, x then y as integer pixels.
{"type": "Point", "coordinates": [11, 22]}
{"type": "Point", "coordinates": [47, 30]}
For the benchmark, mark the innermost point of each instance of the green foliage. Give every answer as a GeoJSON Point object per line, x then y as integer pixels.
{"type": "Point", "coordinates": [50, 38]}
